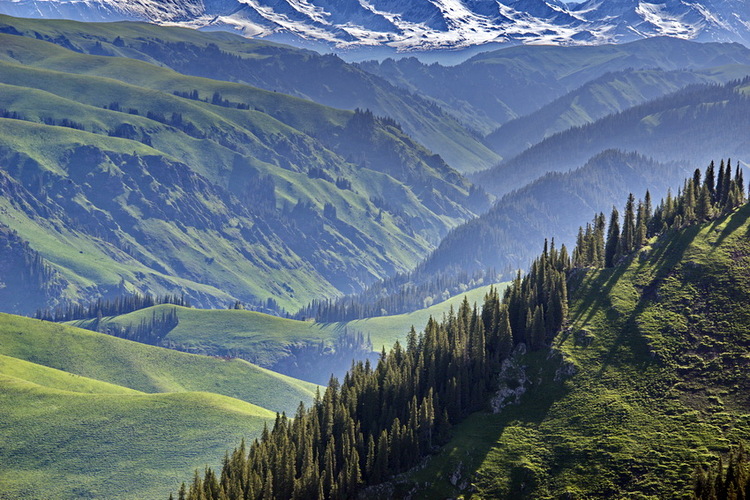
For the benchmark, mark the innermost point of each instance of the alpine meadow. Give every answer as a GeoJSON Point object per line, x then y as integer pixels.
{"type": "Point", "coordinates": [318, 250]}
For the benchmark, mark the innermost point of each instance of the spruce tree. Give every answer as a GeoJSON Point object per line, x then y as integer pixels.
{"type": "Point", "coordinates": [613, 239]}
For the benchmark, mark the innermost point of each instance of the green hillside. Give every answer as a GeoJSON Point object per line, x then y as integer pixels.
{"type": "Point", "coordinates": [222, 192]}
{"type": "Point", "coordinates": [648, 381]}
{"type": "Point", "coordinates": [67, 444]}
{"type": "Point", "coordinates": [325, 79]}
{"type": "Point", "coordinates": [83, 415]}
{"type": "Point", "coordinates": [146, 368]}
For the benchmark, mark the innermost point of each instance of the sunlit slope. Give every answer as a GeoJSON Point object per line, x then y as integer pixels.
{"type": "Point", "coordinates": [65, 444]}
{"type": "Point", "coordinates": [658, 351]}
{"type": "Point", "coordinates": [223, 192]}
{"type": "Point", "coordinates": [146, 368]}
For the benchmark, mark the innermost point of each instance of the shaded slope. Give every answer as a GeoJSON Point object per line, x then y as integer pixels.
{"type": "Point", "coordinates": [692, 126]}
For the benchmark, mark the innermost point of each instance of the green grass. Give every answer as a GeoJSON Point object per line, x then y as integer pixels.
{"type": "Point", "coordinates": [147, 368]}
{"type": "Point", "coordinates": [659, 345]}
{"type": "Point", "coordinates": [86, 415]}
{"type": "Point", "coordinates": [63, 444]}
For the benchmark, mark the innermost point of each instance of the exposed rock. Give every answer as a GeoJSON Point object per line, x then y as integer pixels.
{"type": "Point", "coordinates": [513, 381]}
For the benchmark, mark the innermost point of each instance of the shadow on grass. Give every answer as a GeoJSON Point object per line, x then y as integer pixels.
{"type": "Point", "coordinates": [663, 259]}
{"type": "Point", "coordinates": [736, 220]}
{"type": "Point", "coordinates": [480, 433]}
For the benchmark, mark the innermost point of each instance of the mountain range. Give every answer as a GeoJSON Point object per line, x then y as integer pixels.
{"type": "Point", "coordinates": [421, 24]}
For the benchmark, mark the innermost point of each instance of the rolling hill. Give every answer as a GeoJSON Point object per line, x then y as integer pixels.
{"type": "Point", "coordinates": [83, 413]}
{"type": "Point", "coordinates": [649, 382]}
{"type": "Point", "coordinates": [303, 349]}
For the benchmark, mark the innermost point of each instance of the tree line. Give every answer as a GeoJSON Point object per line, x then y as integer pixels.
{"type": "Point", "coordinates": [703, 197]}
{"type": "Point", "coordinates": [383, 420]}
{"type": "Point", "coordinates": [122, 304]}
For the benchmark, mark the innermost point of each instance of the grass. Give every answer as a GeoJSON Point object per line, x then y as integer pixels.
{"type": "Point", "coordinates": [64, 444]}
{"type": "Point", "coordinates": [86, 415]}
{"type": "Point", "coordinates": [147, 368]}
{"type": "Point", "coordinates": [659, 349]}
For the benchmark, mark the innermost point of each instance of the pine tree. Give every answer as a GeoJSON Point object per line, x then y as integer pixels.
{"type": "Point", "coordinates": [611, 248]}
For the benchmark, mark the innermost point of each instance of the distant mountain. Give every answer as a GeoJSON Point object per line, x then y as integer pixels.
{"type": "Point", "coordinates": [610, 93]}
{"type": "Point", "coordinates": [123, 176]}
{"type": "Point", "coordinates": [691, 126]}
{"type": "Point", "coordinates": [509, 236]}
{"type": "Point", "coordinates": [325, 79]}
{"type": "Point", "coordinates": [495, 87]}
{"type": "Point", "coordinates": [422, 24]}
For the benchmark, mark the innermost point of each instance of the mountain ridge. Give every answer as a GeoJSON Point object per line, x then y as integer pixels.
{"type": "Point", "coordinates": [421, 25]}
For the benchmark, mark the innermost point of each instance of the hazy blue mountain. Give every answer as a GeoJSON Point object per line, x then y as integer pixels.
{"type": "Point", "coordinates": [691, 126]}
{"type": "Point", "coordinates": [495, 87]}
{"type": "Point", "coordinates": [610, 93]}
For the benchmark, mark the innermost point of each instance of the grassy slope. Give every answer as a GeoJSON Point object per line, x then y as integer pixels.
{"type": "Point", "coordinates": [146, 368]}
{"type": "Point", "coordinates": [323, 79]}
{"type": "Point", "coordinates": [67, 444]}
{"type": "Point", "coordinates": [659, 345]}
{"type": "Point", "coordinates": [42, 81]}
{"type": "Point", "coordinates": [76, 420]}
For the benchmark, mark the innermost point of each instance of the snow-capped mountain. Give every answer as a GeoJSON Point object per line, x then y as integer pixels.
{"type": "Point", "coordinates": [423, 24]}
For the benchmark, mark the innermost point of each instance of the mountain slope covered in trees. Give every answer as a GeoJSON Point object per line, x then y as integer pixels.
{"type": "Point", "coordinates": [631, 364]}
{"type": "Point", "coordinates": [325, 79]}
{"type": "Point", "coordinates": [126, 176]}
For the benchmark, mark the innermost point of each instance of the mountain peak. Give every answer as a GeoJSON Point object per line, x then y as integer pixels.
{"type": "Point", "coordinates": [421, 25]}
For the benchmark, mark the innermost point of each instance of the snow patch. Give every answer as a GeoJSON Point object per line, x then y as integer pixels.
{"type": "Point", "coordinates": [666, 23]}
